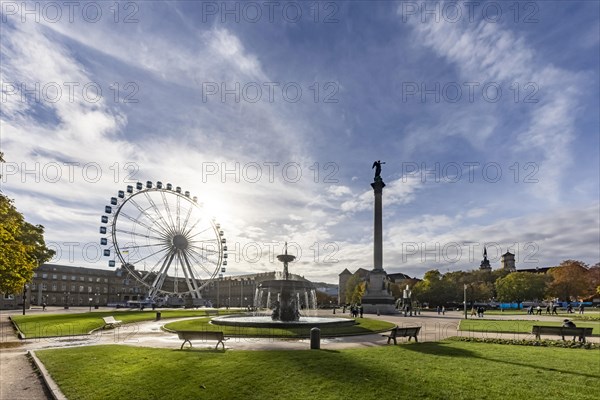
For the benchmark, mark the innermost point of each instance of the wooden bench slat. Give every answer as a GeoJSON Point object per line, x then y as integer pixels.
{"type": "Point", "coordinates": [409, 332]}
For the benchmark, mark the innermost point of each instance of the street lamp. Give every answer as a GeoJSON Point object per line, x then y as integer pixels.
{"type": "Point", "coordinates": [24, 297]}
{"type": "Point", "coordinates": [465, 300]}
{"type": "Point", "coordinates": [67, 300]}
{"type": "Point", "coordinates": [90, 301]}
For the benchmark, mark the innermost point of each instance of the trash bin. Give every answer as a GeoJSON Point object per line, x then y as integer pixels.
{"type": "Point", "coordinates": [158, 316]}
{"type": "Point", "coordinates": [95, 307]}
{"type": "Point", "coordinates": [315, 338]}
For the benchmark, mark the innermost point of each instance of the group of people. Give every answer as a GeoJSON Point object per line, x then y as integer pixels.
{"type": "Point", "coordinates": [478, 311]}
{"type": "Point", "coordinates": [441, 310]}
{"type": "Point", "coordinates": [355, 310]}
{"type": "Point", "coordinates": [552, 309]}
{"type": "Point", "coordinates": [538, 310]}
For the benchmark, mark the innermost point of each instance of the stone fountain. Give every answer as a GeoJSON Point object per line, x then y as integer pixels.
{"type": "Point", "coordinates": [284, 302]}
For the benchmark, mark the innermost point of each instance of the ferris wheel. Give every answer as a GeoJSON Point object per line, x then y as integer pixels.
{"type": "Point", "coordinates": [164, 239]}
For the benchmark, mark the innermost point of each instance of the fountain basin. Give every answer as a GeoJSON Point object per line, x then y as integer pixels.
{"type": "Point", "coordinates": [266, 322]}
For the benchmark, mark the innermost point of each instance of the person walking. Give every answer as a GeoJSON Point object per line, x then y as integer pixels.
{"type": "Point", "coordinates": [443, 310]}
{"type": "Point", "coordinates": [581, 308]}
{"type": "Point", "coordinates": [361, 310]}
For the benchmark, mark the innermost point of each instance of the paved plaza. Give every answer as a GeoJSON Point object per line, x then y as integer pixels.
{"type": "Point", "coordinates": [19, 381]}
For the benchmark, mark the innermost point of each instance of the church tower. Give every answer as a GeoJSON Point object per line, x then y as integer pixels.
{"type": "Point", "coordinates": [485, 263]}
{"type": "Point", "coordinates": [508, 261]}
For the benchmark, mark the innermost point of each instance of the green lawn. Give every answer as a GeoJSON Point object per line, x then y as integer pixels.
{"type": "Point", "coordinates": [518, 326]}
{"type": "Point", "coordinates": [433, 370]}
{"type": "Point", "coordinates": [65, 324]}
{"type": "Point", "coordinates": [363, 327]}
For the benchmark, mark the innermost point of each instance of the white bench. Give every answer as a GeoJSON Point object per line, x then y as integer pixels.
{"type": "Point", "coordinates": [187, 336]}
{"type": "Point", "coordinates": [111, 322]}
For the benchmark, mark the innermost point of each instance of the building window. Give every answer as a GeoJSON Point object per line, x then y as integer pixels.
{"type": "Point", "coordinates": [98, 279]}
{"type": "Point", "coordinates": [80, 288]}
{"type": "Point", "coordinates": [33, 286]}
{"type": "Point", "coordinates": [35, 274]}
{"type": "Point", "coordinates": [105, 290]}
{"type": "Point", "coordinates": [9, 296]}
{"type": "Point", "coordinates": [44, 286]}
{"type": "Point", "coordinates": [73, 278]}
{"type": "Point", "coordinates": [54, 276]}
{"type": "Point", "coordinates": [64, 277]}
{"type": "Point", "coordinates": [73, 288]}
{"type": "Point", "coordinates": [82, 278]}
{"type": "Point", "coordinates": [89, 289]}
{"type": "Point", "coordinates": [63, 287]}
{"type": "Point", "coordinates": [54, 287]}
{"type": "Point", "coordinates": [44, 276]}
{"type": "Point", "coordinates": [105, 280]}
{"type": "Point", "coordinates": [90, 279]}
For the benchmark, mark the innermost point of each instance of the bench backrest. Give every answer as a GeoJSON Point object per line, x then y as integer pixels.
{"type": "Point", "coordinates": [561, 330]}
{"type": "Point", "coordinates": [413, 330]}
{"type": "Point", "coordinates": [200, 335]}
{"type": "Point", "coordinates": [109, 320]}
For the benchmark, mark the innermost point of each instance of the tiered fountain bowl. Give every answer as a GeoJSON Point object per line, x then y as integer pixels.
{"type": "Point", "coordinates": [283, 303]}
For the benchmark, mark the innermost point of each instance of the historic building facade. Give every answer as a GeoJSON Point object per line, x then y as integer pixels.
{"type": "Point", "coordinates": [70, 286]}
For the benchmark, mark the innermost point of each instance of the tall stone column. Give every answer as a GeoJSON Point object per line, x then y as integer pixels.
{"type": "Point", "coordinates": [377, 298]}
{"type": "Point", "coordinates": [378, 186]}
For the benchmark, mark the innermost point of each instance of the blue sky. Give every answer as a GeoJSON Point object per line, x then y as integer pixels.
{"type": "Point", "coordinates": [505, 106]}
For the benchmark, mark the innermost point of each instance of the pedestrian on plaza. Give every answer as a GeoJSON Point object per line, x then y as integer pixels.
{"type": "Point", "coordinates": [554, 308]}
{"type": "Point", "coordinates": [548, 309]}
{"type": "Point", "coordinates": [569, 309]}
{"type": "Point", "coordinates": [539, 310]}
{"type": "Point", "coordinates": [581, 308]}
{"type": "Point", "coordinates": [44, 306]}
{"type": "Point", "coordinates": [361, 310]}
{"type": "Point", "coordinates": [438, 310]}
{"type": "Point", "coordinates": [567, 323]}
{"type": "Point", "coordinates": [443, 310]}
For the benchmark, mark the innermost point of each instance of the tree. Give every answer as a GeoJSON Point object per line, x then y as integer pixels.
{"type": "Point", "coordinates": [570, 280]}
{"type": "Point", "coordinates": [594, 278]}
{"type": "Point", "coordinates": [520, 286]}
{"type": "Point", "coordinates": [22, 248]}
{"type": "Point", "coordinates": [355, 288]}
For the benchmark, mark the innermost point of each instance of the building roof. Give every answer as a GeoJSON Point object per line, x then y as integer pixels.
{"type": "Point", "coordinates": [542, 270]}
{"type": "Point", "coordinates": [345, 272]}
{"type": "Point", "coordinates": [398, 276]}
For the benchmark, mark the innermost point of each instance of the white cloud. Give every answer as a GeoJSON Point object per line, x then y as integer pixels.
{"type": "Point", "coordinates": [479, 52]}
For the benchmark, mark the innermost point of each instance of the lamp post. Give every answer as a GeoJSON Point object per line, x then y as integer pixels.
{"type": "Point", "coordinates": [90, 301]}
{"type": "Point", "coordinates": [66, 300]}
{"type": "Point", "coordinates": [24, 297]}
{"type": "Point", "coordinates": [241, 291]}
{"type": "Point", "coordinates": [465, 300]}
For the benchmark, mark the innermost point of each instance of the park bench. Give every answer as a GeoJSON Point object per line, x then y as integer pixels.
{"type": "Point", "coordinates": [187, 336]}
{"type": "Point", "coordinates": [111, 322]}
{"type": "Point", "coordinates": [561, 331]}
{"type": "Point", "coordinates": [403, 332]}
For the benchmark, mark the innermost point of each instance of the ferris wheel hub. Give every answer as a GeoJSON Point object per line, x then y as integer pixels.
{"type": "Point", "coordinates": [180, 242]}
